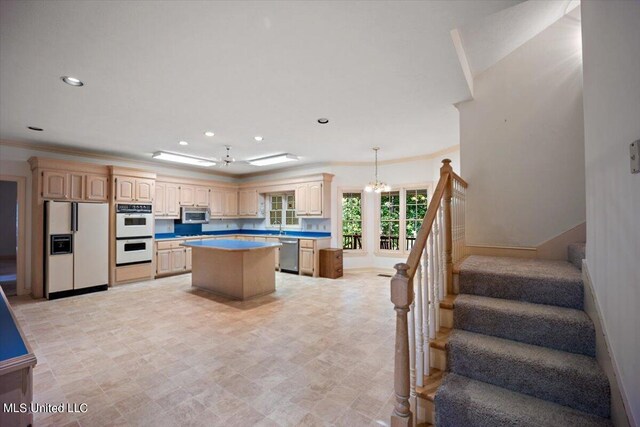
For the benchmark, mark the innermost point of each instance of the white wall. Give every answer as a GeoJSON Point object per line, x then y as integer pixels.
{"type": "Point", "coordinates": [522, 143]}
{"type": "Point", "coordinates": [611, 44]}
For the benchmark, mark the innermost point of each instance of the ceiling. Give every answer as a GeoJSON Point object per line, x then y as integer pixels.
{"type": "Point", "coordinates": [489, 39]}
{"type": "Point", "coordinates": [385, 73]}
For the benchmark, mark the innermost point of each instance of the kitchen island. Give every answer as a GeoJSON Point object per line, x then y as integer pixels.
{"type": "Point", "coordinates": [236, 269]}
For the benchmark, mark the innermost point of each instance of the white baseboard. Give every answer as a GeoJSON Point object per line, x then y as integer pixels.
{"type": "Point", "coordinates": [620, 416]}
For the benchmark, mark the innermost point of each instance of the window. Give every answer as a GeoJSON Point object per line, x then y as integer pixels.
{"type": "Point", "coordinates": [351, 227]}
{"type": "Point", "coordinates": [390, 220]}
{"type": "Point", "coordinates": [415, 210]}
{"type": "Point", "coordinates": [400, 216]}
{"type": "Point", "coordinates": [282, 206]}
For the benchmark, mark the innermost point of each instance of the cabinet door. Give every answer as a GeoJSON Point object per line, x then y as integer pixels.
{"type": "Point", "coordinates": [172, 204]}
{"type": "Point", "coordinates": [76, 186]}
{"type": "Point", "coordinates": [230, 203]}
{"type": "Point", "coordinates": [187, 261]}
{"type": "Point", "coordinates": [160, 205]}
{"type": "Point", "coordinates": [202, 197]}
{"type": "Point", "coordinates": [97, 188]}
{"type": "Point", "coordinates": [163, 262]}
{"type": "Point", "coordinates": [306, 260]}
{"type": "Point", "coordinates": [216, 202]}
{"type": "Point", "coordinates": [187, 195]}
{"type": "Point", "coordinates": [178, 259]}
{"type": "Point", "coordinates": [314, 199]}
{"type": "Point", "coordinates": [248, 203]}
{"type": "Point", "coordinates": [144, 190]}
{"type": "Point", "coordinates": [301, 199]}
{"type": "Point", "coordinates": [125, 189]}
{"type": "Point", "coordinates": [54, 185]}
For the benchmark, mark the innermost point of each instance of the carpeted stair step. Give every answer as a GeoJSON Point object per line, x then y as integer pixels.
{"type": "Point", "coordinates": [559, 328]}
{"type": "Point", "coordinates": [576, 253]}
{"type": "Point", "coordinates": [568, 379]}
{"type": "Point", "coordinates": [461, 401]}
{"type": "Point", "coordinates": [532, 280]}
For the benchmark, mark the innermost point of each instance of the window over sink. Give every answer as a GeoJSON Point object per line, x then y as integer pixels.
{"type": "Point", "coordinates": [282, 210]}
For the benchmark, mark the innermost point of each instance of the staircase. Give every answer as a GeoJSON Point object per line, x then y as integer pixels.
{"type": "Point", "coordinates": [521, 351]}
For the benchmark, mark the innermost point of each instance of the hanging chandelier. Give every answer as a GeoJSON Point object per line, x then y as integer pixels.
{"type": "Point", "coordinates": [377, 186]}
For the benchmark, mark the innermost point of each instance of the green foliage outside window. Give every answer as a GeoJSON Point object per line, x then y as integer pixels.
{"type": "Point", "coordinates": [352, 221]}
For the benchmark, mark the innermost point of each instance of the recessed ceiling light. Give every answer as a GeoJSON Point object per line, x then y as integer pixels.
{"type": "Point", "coordinates": [257, 138]}
{"type": "Point", "coordinates": [323, 121]}
{"type": "Point", "coordinates": [209, 133]}
{"type": "Point", "coordinates": [183, 143]}
{"type": "Point", "coordinates": [37, 129]}
{"type": "Point", "coordinates": [72, 81]}
{"type": "Point", "coordinates": [272, 160]}
{"type": "Point", "coordinates": [181, 158]}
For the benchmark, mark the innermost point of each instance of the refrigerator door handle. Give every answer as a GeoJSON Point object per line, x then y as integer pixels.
{"type": "Point", "coordinates": [74, 216]}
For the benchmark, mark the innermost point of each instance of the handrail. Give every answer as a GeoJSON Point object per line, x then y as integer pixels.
{"type": "Point", "coordinates": [427, 225]}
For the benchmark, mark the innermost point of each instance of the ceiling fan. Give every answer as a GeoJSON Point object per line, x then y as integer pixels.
{"type": "Point", "coordinates": [227, 160]}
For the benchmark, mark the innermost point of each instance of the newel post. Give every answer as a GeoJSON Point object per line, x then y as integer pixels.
{"type": "Point", "coordinates": [448, 237]}
{"type": "Point", "coordinates": [401, 297]}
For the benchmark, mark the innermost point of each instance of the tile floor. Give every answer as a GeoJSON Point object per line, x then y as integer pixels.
{"type": "Point", "coordinates": [159, 353]}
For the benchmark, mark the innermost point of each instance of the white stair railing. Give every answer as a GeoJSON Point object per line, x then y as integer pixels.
{"type": "Point", "coordinates": [418, 287]}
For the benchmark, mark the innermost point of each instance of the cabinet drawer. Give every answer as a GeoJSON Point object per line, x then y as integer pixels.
{"type": "Point", "coordinates": [306, 243]}
{"type": "Point", "coordinates": [171, 244]}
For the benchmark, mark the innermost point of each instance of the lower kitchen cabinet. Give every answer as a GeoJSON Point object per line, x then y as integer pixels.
{"type": "Point", "coordinates": [309, 255]}
{"type": "Point", "coordinates": [171, 258]}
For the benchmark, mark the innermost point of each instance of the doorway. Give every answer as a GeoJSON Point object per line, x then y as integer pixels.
{"type": "Point", "coordinates": [9, 237]}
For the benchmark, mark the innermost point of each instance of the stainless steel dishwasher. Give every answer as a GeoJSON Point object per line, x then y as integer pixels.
{"type": "Point", "coordinates": [289, 255]}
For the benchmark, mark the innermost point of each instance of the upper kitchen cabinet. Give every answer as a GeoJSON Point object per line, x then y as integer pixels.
{"type": "Point", "coordinates": [131, 185]}
{"type": "Point", "coordinates": [202, 197]}
{"type": "Point", "coordinates": [73, 181]}
{"type": "Point", "coordinates": [97, 188]}
{"type": "Point", "coordinates": [248, 202]}
{"type": "Point", "coordinates": [187, 195]}
{"type": "Point", "coordinates": [216, 202]}
{"type": "Point", "coordinates": [230, 202]}
{"type": "Point", "coordinates": [313, 199]}
{"type": "Point", "coordinates": [166, 202]}
{"type": "Point", "coordinates": [54, 185]}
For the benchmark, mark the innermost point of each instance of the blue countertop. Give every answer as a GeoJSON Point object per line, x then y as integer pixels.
{"type": "Point", "coordinates": [11, 344]}
{"type": "Point", "coordinates": [272, 233]}
{"type": "Point", "coordinates": [231, 245]}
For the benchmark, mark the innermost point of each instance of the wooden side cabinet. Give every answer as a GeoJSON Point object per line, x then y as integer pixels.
{"type": "Point", "coordinates": [331, 263]}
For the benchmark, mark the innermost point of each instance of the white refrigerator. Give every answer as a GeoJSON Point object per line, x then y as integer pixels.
{"type": "Point", "coordinates": [77, 248]}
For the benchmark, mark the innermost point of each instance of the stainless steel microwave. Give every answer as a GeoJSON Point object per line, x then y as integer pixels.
{"type": "Point", "coordinates": [190, 215]}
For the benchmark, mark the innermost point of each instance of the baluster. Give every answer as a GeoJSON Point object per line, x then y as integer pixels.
{"type": "Point", "coordinates": [412, 353]}
{"type": "Point", "coordinates": [441, 255]}
{"type": "Point", "coordinates": [436, 271]}
{"type": "Point", "coordinates": [432, 284]}
{"type": "Point", "coordinates": [425, 312]}
{"type": "Point", "coordinates": [419, 357]}
{"type": "Point", "coordinates": [401, 297]}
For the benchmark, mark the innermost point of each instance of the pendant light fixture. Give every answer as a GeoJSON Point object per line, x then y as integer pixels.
{"type": "Point", "coordinates": [377, 186]}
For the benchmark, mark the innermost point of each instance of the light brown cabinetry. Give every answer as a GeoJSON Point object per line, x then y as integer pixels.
{"type": "Point", "coordinates": [76, 186]}
{"type": "Point", "coordinates": [202, 197]}
{"type": "Point", "coordinates": [171, 258]}
{"type": "Point", "coordinates": [54, 185]}
{"type": "Point", "coordinates": [166, 200]}
{"type": "Point", "coordinates": [309, 255]}
{"type": "Point", "coordinates": [230, 203]}
{"type": "Point", "coordinates": [97, 188]}
{"type": "Point", "coordinates": [130, 189]}
{"type": "Point", "coordinates": [216, 202]}
{"type": "Point", "coordinates": [187, 195]}
{"type": "Point", "coordinates": [311, 198]}
{"type": "Point", "coordinates": [248, 202]}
